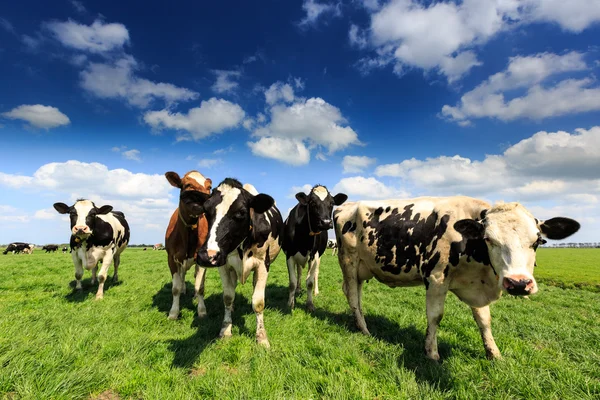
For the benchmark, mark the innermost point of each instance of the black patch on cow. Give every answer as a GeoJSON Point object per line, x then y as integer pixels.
{"type": "Point", "coordinates": [446, 271]}
{"type": "Point", "coordinates": [474, 249]}
{"type": "Point", "coordinates": [346, 227]}
{"type": "Point", "coordinates": [297, 237]}
{"type": "Point", "coordinates": [426, 282]}
{"type": "Point", "coordinates": [482, 214]}
{"type": "Point", "coordinates": [250, 253]}
{"type": "Point", "coordinates": [124, 239]}
{"type": "Point", "coordinates": [408, 249]}
{"type": "Point", "coordinates": [267, 258]}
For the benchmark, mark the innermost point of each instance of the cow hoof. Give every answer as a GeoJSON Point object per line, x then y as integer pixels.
{"type": "Point", "coordinates": [99, 296]}
{"type": "Point", "coordinates": [173, 316]}
{"type": "Point", "coordinates": [434, 357]}
{"type": "Point", "coordinates": [93, 282]}
{"type": "Point", "coordinates": [310, 307]}
{"type": "Point", "coordinates": [291, 304]}
{"type": "Point", "coordinates": [202, 314]}
{"type": "Point", "coordinates": [493, 355]}
{"type": "Point", "coordinates": [264, 342]}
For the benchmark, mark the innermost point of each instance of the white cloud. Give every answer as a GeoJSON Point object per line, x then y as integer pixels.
{"type": "Point", "coordinates": [356, 164]}
{"type": "Point", "coordinates": [132, 154]}
{"type": "Point", "coordinates": [306, 188]}
{"type": "Point", "coordinates": [443, 36]}
{"type": "Point", "coordinates": [39, 116]}
{"type": "Point", "coordinates": [279, 91]}
{"type": "Point", "coordinates": [209, 162]}
{"type": "Point", "coordinates": [97, 38]}
{"type": "Point", "coordinates": [314, 120]}
{"type": "Point", "coordinates": [224, 150]}
{"type": "Point", "coordinates": [117, 80]}
{"type": "Point", "coordinates": [359, 187]}
{"type": "Point", "coordinates": [315, 10]}
{"type": "Point", "coordinates": [78, 6]}
{"type": "Point", "coordinates": [212, 117]}
{"type": "Point", "coordinates": [30, 42]}
{"type": "Point", "coordinates": [225, 82]}
{"type": "Point", "coordinates": [568, 96]}
{"type": "Point", "coordinates": [7, 26]}
{"type": "Point", "coordinates": [286, 150]}
{"type": "Point", "coordinates": [46, 213]}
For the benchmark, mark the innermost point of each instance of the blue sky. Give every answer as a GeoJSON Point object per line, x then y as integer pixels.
{"type": "Point", "coordinates": [378, 99]}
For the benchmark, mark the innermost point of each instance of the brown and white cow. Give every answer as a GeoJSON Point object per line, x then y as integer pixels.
{"type": "Point", "coordinates": [157, 246]}
{"type": "Point", "coordinates": [186, 232]}
{"type": "Point", "coordinates": [456, 244]}
{"type": "Point", "coordinates": [245, 230]}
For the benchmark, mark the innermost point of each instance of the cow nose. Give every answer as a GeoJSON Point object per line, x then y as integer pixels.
{"type": "Point", "coordinates": [213, 256]}
{"type": "Point", "coordinates": [80, 229]}
{"type": "Point", "coordinates": [517, 287]}
{"type": "Point", "coordinates": [328, 223]}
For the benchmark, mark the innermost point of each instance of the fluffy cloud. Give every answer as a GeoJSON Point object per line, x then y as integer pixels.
{"type": "Point", "coordinates": [286, 150]}
{"type": "Point", "coordinates": [356, 164]}
{"type": "Point", "coordinates": [442, 36]}
{"type": "Point", "coordinates": [314, 120]}
{"type": "Point", "coordinates": [306, 188]}
{"type": "Point", "coordinates": [315, 10]}
{"type": "Point", "coordinates": [225, 82]}
{"type": "Point", "coordinates": [568, 96]}
{"type": "Point", "coordinates": [279, 92]}
{"type": "Point", "coordinates": [213, 116]}
{"type": "Point", "coordinates": [132, 154]}
{"type": "Point", "coordinates": [359, 187]}
{"type": "Point", "coordinates": [117, 80]}
{"type": "Point", "coordinates": [209, 162]}
{"type": "Point", "coordinates": [39, 116]}
{"type": "Point", "coordinates": [543, 166]}
{"type": "Point", "coordinates": [97, 38]}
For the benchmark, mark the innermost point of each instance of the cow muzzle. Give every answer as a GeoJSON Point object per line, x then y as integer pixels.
{"type": "Point", "coordinates": [519, 285]}
{"type": "Point", "coordinates": [210, 258]}
{"type": "Point", "coordinates": [81, 230]}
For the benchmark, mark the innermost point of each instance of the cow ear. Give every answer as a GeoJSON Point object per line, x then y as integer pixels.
{"type": "Point", "coordinates": [469, 228]}
{"type": "Point", "coordinates": [62, 208]}
{"type": "Point", "coordinates": [302, 198]}
{"type": "Point", "coordinates": [208, 184]}
{"type": "Point", "coordinates": [339, 199]}
{"type": "Point", "coordinates": [558, 228]}
{"type": "Point", "coordinates": [174, 179]}
{"type": "Point", "coordinates": [261, 203]}
{"type": "Point", "coordinates": [105, 209]}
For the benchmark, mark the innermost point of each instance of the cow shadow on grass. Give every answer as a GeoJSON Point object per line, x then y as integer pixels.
{"type": "Point", "coordinates": [409, 337]}
{"type": "Point", "coordinates": [186, 351]}
{"type": "Point", "coordinates": [88, 290]}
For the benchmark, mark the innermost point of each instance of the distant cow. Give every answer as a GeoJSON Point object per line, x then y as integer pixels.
{"type": "Point", "coordinates": [186, 232]}
{"type": "Point", "coordinates": [157, 246]}
{"type": "Point", "coordinates": [64, 249]}
{"type": "Point", "coordinates": [305, 239]}
{"type": "Point", "coordinates": [97, 234]}
{"type": "Point", "coordinates": [331, 244]}
{"type": "Point", "coordinates": [18, 247]}
{"type": "Point", "coordinates": [456, 244]}
{"type": "Point", "coordinates": [245, 230]}
{"type": "Point", "coordinates": [50, 248]}
{"type": "Point", "coordinates": [145, 249]}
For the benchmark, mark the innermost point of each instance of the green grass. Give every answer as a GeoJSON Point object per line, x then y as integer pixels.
{"type": "Point", "coordinates": [569, 268]}
{"type": "Point", "coordinates": [58, 344]}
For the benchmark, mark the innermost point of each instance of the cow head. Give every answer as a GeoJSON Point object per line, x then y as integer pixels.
{"type": "Point", "coordinates": [512, 236]}
{"type": "Point", "coordinates": [194, 190]}
{"type": "Point", "coordinates": [319, 207]}
{"type": "Point", "coordinates": [83, 216]}
{"type": "Point", "coordinates": [231, 213]}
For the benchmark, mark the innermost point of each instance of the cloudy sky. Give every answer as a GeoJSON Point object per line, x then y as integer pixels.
{"type": "Point", "coordinates": [496, 99]}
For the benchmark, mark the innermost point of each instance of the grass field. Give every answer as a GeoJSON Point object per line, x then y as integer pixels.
{"type": "Point", "coordinates": [58, 344]}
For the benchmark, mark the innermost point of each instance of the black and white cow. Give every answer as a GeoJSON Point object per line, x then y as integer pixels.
{"type": "Point", "coordinates": [244, 235]}
{"type": "Point", "coordinates": [16, 247]}
{"type": "Point", "coordinates": [305, 239]}
{"type": "Point", "coordinates": [332, 244]}
{"type": "Point", "coordinates": [64, 249]}
{"type": "Point", "coordinates": [50, 248]}
{"type": "Point", "coordinates": [456, 244]}
{"type": "Point", "coordinates": [97, 233]}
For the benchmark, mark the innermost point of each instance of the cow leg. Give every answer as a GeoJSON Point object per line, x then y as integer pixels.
{"type": "Point", "coordinates": [199, 290]}
{"type": "Point", "coordinates": [353, 291]}
{"type": "Point", "coordinates": [106, 262]}
{"type": "Point", "coordinates": [78, 270]}
{"type": "Point", "coordinates": [228, 298]}
{"type": "Point", "coordinates": [311, 283]}
{"type": "Point", "coordinates": [175, 268]}
{"type": "Point", "coordinates": [291, 264]}
{"type": "Point", "coordinates": [258, 303]}
{"type": "Point", "coordinates": [116, 262]}
{"type": "Point", "coordinates": [436, 297]}
{"type": "Point", "coordinates": [483, 318]}
{"type": "Point", "coordinates": [95, 274]}
{"type": "Point", "coordinates": [298, 278]}
{"type": "Point", "coordinates": [183, 271]}
{"type": "Point", "coordinates": [318, 264]}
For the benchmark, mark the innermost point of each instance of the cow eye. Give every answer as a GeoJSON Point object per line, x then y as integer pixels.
{"type": "Point", "coordinates": [240, 215]}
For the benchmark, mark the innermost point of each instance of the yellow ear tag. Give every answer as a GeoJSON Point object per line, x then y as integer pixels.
{"type": "Point", "coordinates": [77, 240]}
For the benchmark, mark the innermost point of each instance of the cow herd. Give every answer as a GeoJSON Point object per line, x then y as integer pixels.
{"type": "Point", "coordinates": [453, 244]}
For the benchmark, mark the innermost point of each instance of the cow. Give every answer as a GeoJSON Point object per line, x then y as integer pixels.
{"type": "Point", "coordinates": [97, 234]}
{"type": "Point", "coordinates": [244, 235]}
{"type": "Point", "coordinates": [17, 247]}
{"type": "Point", "coordinates": [64, 249]}
{"type": "Point", "coordinates": [145, 249]}
{"type": "Point", "coordinates": [331, 244]}
{"type": "Point", "coordinates": [305, 239]}
{"type": "Point", "coordinates": [50, 248]}
{"type": "Point", "coordinates": [186, 232]}
{"type": "Point", "coordinates": [157, 246]}
{"type": "Point", "coordinates": [458, 244]}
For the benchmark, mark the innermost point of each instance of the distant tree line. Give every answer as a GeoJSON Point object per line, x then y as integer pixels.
{"type": "Point", "coordinates": [588, 245]}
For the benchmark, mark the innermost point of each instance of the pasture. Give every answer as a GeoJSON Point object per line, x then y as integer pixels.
{"type": "Point", "coordinates": [60, 344]}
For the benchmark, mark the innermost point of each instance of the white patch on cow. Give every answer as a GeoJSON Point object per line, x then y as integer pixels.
{"type": "Point", "coordinates": [229, 194]}
{"type": "Point", "coordinates": [321, 192]}
{"type": "Point", "coordinates": [198, 177]}
{"type": "Point", "coordinates": [250, 188]}
{"type": "Point", "coordinates": [83, 208]}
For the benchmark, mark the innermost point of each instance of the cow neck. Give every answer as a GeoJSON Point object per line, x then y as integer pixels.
{"type": "Point", "coordinates": [310, 231]}
{"type": "Point", "coordinates": [190, 226]}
